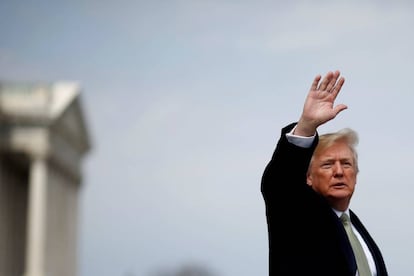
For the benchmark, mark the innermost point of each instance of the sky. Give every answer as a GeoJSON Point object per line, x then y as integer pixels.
{"type": "Point", "coordinates": [185, 100]}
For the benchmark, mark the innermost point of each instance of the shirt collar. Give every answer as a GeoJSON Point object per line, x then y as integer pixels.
{"type": "Point", "coordinates": [339, 213]}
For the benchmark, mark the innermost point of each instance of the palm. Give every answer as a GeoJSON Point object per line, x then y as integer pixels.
{"type": "Point", "coordinates": [319, 105]}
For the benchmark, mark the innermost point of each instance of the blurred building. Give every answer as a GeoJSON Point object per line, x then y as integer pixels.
{"type": "Point", "coordinates": [185, 270]}
{"type": "Point", "coordinates": [43, 137]}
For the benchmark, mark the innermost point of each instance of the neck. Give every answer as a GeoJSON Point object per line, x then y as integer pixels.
{"type": "Point", "coordinates": [340, 205]}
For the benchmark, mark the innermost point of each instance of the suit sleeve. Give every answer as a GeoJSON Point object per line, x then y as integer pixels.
{"type": "Point", "coordinates": [285, 175]}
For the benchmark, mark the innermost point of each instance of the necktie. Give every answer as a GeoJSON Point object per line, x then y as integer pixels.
{"type": "Point", "coordinates": [361, 259]}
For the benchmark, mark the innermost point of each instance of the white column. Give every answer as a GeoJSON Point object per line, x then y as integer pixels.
{"type": "Point", "coordinates": [36, 227]}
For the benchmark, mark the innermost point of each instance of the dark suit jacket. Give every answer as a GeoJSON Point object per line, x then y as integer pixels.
{"type": "Point", "coordinates": [305, 235]}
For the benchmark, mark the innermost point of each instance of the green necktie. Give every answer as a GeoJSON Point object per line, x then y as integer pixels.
{"type": "Point", "coordinates": [361, 259]}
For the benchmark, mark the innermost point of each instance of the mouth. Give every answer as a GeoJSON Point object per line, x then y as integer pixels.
{"type": "Point", "coordinates": [339, 185]}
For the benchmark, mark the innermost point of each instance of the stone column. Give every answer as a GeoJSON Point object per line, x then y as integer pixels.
{"type": "Point", "coordinates": [36, 224]}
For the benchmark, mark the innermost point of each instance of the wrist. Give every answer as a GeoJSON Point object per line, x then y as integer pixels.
{"type": "Point", "coordinates": [305, 129]}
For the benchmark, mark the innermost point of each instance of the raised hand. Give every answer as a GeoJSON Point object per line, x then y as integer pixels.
{"type": "Point", "coordinates": [319, 104]}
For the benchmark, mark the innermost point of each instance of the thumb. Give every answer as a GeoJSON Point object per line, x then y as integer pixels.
{"type": "Point", "coordinates": [339, 108]}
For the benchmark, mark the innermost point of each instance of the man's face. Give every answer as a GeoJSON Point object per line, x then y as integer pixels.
{"type": "Point", "coordinates": [333, 174]}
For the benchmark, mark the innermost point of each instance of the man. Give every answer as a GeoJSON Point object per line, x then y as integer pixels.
{"type": "Point", "coordinates": [307, 187]}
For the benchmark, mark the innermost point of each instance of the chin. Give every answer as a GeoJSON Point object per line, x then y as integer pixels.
{"type": "Point", "coordinates": [340, 194]}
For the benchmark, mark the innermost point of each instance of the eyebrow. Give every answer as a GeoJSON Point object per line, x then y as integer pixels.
{"type": "Point", "coordinates": [330, 159]}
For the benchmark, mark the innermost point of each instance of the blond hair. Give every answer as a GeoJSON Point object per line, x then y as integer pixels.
{"type": "Point", "coordinates": [346, 135]}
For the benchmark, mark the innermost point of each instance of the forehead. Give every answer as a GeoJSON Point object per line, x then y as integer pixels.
{"type": "Point", "coordinates": [337, 150]}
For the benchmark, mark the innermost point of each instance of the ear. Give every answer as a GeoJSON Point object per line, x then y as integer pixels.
{"type": "Point", "coordinates": [309, 179]}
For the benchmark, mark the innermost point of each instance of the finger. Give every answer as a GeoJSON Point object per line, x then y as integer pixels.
{"type": "Point", "coordinates": [333, 80]}
{"type": "Point", "coordinates": [315, 82]}
{"type": "Point", "coordinates": [325, 81]}
{"type": "Point", "coordinates": [338, 87]}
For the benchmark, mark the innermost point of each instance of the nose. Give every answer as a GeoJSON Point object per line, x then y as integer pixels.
{"type": "Point", "coordinates": [338, 170]}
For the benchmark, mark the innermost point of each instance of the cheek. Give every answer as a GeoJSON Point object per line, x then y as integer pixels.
{"type": "Point", "coordinates": [321, 182]}
{"type": "Point", "coordinates": [352, 178]}
{"type": "Point", "coordinates": [352, 183]}
{"type": "Point", "coordinates": [320, 189]}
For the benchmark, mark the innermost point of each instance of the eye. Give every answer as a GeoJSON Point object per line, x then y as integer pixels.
{"type": "Point", "coordinates": [326, 165]}
{"type": "Point", "coordinates": [347, 164]}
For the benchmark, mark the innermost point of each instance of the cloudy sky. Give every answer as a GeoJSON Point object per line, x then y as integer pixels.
{"type": "Point", "coordinates": [185, 101]}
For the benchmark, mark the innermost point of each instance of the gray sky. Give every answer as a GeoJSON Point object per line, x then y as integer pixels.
{"type": "Point", "coordinates": [185, 101]}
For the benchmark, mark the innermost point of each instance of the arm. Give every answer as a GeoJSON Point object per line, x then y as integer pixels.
{"type": "Point", "coordinates": [290, 162]}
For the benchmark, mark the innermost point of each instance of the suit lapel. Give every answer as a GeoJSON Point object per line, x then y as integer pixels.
{"type": "Point", "coordinates": [373, 248]}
